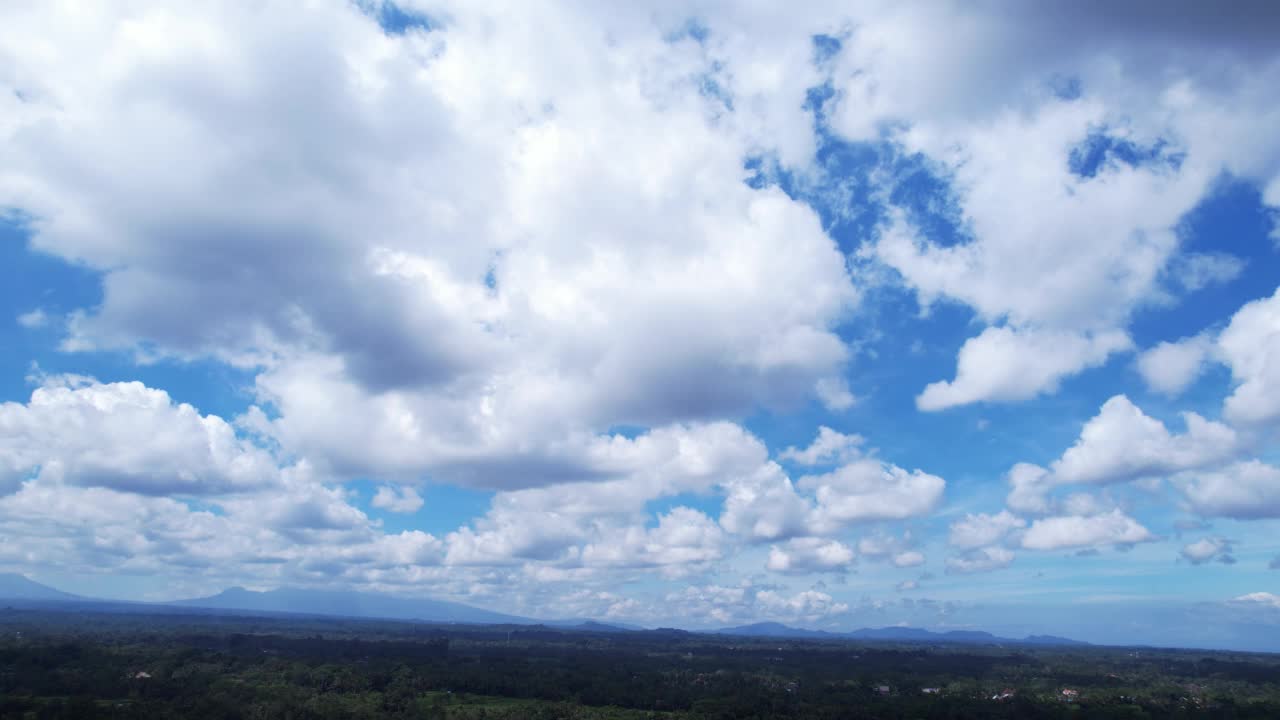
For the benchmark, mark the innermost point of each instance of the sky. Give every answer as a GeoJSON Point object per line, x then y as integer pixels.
{"type": "Point", "coordinates": [950, 314]}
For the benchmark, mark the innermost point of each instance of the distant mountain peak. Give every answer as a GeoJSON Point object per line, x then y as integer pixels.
{"type": "Point", "coordinates": [19, 587]}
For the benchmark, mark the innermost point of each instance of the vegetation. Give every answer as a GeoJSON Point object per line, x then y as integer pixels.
{"type": "Point", "coordinates": [105, 665]}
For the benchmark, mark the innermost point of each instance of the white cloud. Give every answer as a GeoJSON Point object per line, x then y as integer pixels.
{"type": "Point", "coordinates": [1195, 271]}
{"type": "Point", "coordinates": [128, 437]}
{"type": "Point", "coordinates": [980, 560]}
{"type": "Point", "coordinates": [1265, 599]}
{"type": "Point", "coordinates": [829, 447]}
{"type": "Point", "coordinates": [1208, 549]}
{"type": "Point", "coordinates": [910, 558]}
{"type": "Point", "coordinates": [1044, 248]}
{"type": "Point", "coordinates": [1076, 531]}
{"type": "Point", "coordinates": [982, 529]}
{"type": "Point", "coordinates": [871, 490]}
{"type": "Point", "coordinates": [809, 554]}
{"type": "Point", "coordinates": [1006, 365]}
{"type": "Point", "coordinates": [1122, 444]}
{"type": "Point", "coordinates": [580, 213]}
{"type": "Point", "coordinates": [684, 539]}
{"type": "Point", "coordinates": [1249, 346]}
{"type": "Point", "coordinates": [727, 605]}
{"type": "Point", "coordinates": [34, 319]}
{"type": "Point", "coordinates": [1244, 490]}
{"type": "Point", "coordinates": [397, 499]}
{"type": "Point", "coordinates": [1170, 367]}
{"type": "Point", "coordinates": [765, 506]}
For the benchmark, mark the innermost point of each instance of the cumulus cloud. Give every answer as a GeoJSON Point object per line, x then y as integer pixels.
{"type": "Point", "coordinates": [975, 531]}
{"type": "Point", "coordinates": [1249, 346]}
{"type": "Point", "coordinates": [576, 221]}
{"type": "Point", "coordinates": [397, 499]}
{"type": "Point", "coordinates": [1209, 549]}
{"type": "Point", "coordinates": [809, 554]}
{"type": "Point", "coordinates": [910, 558]}
{"type": "Point", "coordinates": [980, 560]}
{"type": "Point", "coordinates": [1170, 367]}
{"type": "Point", "coordinates": [829, 447]}
{"type": "Point", "coordinates": [1122, 444]}
{"type": "Point", "coordinates": [1263, 599]}
{"type": "Point", "coordinates": [1244, 490]}
{"type": "Point", "coordinates": [129, 437]}
{"type": "Point", "coordinates": [1006, 365]}
{"type": "Point", "coordinates": [1076, 531]}
{"type": "Point", "coordinates": [872, 490]}
{"type": "Point", "coordinates": [724, 605]}
{"type": "Point", "coordinates": [985, 109]}
{"type": "Point", "coordinates": [765, 506]}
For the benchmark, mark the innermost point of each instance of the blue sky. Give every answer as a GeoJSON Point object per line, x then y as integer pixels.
{"type": "Point", "coordinates": [836, 317]}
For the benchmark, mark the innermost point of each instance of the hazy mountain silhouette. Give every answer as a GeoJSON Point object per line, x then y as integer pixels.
{"type": "Point", "coordinates": [894, 634]}
{"type": "Point", "coordinates": [350, 604]}
{"type": "Point", "coordinates": [18, 587]}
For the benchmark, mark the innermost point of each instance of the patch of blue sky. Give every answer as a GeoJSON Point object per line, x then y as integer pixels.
{"type": "Point", "coordinates": [394, 19]}
{"type": "Point", "coordinates": [1101, 151]}
{"type": "Point", "coordinates": [1233, 220]}
{"type": "Point", "coordinates": [708, 503]}
{"type": "Point", "coordinates": [33, 281]}
{"type": "Point", "coordinates": [825, 48]}
{"type": "Point", "coordinates": [445, 507]}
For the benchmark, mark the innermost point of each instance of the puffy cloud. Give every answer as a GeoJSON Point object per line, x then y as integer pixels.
{"type": "Point", "coordinates": [1249, 346]}
{"type": "Point", "coordinates": [871, 490]}
{"type": "Point", "coordinates": [1263, 599]}
{"type": "Point", "coordinates": [765, 506]}
{"type": "Point", "coordinates": [1030, 488]}
{"type": "Point", "coordinates": [1244, 490]}
{"type": "Point", "coordinates": [579, 215]}
{"type": "Point", "coordinates": [684, 539]}
{"type": "Point", "coordinates": [128, 437]}
{"type": "Point", "coordinates": [829, 447]}
{"type": "Point", "coordinates": [1172, 366]}
{"type": "Point", "coordinates": [909, 558]}
{"type": "Point", "coordinates": [1208, 549]}
{"type": "Point", "coordinates": [808, 605]}
{"type": "Point", "coordinates": [1029, 131]}
{"type": "Point", "coordinates": [975, 531]}
{"type": "Point", "coordinates": [397, 499]}
{"type": "Point", "coordinates": [1121, 444]}
{"type": "Point", "coordinates": [1003, 365]}
{"type": "Point", "coordinates": [725, 605]}
{"type": "Point", "coordinates": [1076, 531]}
{"type": "Point", "coordinates": [980, 560]}
{"type": "Point", "coordinates": [809, 554]}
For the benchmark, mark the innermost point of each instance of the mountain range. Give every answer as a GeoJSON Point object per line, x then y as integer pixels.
{"type": "Point", "coordinates": [238, 600]}
{"type": "Point", "coordinates": [894, 634]}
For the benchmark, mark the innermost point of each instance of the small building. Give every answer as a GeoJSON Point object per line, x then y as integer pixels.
{"type": "Point", "coordinates": [931, 690]}
{"type": "Point", "coordinates": [1006, 694]}
{"type": "Point", "coordinates": [142, 675]}
{"type": "Point", "coordinates": [1070, 695]}
{"type": "Point", "coordinates": [882, 689]}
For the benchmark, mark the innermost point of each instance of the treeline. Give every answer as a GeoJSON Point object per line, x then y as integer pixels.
{"type": "Point", "coordinates": [56, 665]}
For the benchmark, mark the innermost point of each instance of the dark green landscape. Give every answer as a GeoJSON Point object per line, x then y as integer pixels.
{"type": "Point", "coordinates": [78, 661]}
